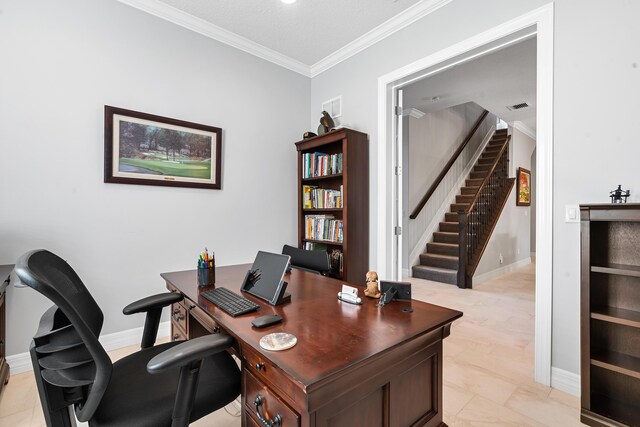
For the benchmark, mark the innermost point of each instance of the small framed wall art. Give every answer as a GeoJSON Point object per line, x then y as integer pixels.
{"type": "Point", "coordinates": [145, 149]}
{"type": "Point", "coordinates": [524, 188]}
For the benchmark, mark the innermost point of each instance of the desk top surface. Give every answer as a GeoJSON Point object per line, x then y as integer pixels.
{"type": "Point", "coordinates": [332, 335]}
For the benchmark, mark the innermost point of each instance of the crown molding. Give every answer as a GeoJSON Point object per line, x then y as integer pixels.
{"type": "Point", "coordinates": [198, 25]}
{"type": "Point", "coordinates": [524, 129]}
{"type": "Point", "coordinates": [413, 112]}
{"type": "Point", "coordinates": [382, 31]}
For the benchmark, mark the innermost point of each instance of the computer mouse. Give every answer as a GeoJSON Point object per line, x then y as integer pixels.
{"type": "Point", "coordinates": [267, 320]}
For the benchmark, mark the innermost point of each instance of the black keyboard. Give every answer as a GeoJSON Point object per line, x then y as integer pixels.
{"type": "Point", "coordinates": [230, 302]}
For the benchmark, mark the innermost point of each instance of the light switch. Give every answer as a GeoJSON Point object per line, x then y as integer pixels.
{"type": "Point", "coordinates": [572, 213]}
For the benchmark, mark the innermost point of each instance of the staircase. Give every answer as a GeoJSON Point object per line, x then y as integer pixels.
{"type": "Point", "coordinates": [471, 220]}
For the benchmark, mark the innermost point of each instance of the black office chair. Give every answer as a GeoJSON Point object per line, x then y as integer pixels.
{"type": "Point", "coordinates": [169, 384]}
{"type": "Point", "coordinates": [314, 261]}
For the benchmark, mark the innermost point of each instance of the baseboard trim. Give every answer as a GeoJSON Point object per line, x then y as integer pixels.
{"type": "Point", "coordinates": [500, 271]}
{"type": "Point", "coordinates": [19, 363]}
{"type": "Point", "coordinates": [565, 381]}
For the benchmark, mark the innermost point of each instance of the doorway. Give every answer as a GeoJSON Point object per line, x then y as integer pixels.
{"type": "Point", "coordinates": [539, 23]}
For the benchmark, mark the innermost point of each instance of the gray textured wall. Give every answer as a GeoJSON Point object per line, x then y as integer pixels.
{"type": "Point", "coordinates": [62, 62]}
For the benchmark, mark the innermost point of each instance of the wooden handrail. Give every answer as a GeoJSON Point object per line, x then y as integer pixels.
{"type": "Point", "coordinates": [486, 178]}
{"type": "Point", "coordinates": [446, 168]}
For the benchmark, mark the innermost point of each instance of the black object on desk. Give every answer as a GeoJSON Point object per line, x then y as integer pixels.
{"type": "Point", "coordinates": [267, 320]}
{"type": "Point", "coordinates": [230, 302]}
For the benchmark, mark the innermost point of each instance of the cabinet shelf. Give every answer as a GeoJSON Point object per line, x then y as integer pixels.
{"type": "Point", "coordinates": [621, 269]}
{"type": "Point", "coordinates": [617, 315]}
{"type": "Point", "coordinates": [617, 362]}
{"type": "Point", "coordinates": [615, 409]}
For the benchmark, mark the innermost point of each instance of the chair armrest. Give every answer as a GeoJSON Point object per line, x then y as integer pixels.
{"type": "Point", "coordinates": [152, 305]}
{"type": "Point", "coordinates": [188, 352]}
{"type": "Point", "coordinates": [152, 302]}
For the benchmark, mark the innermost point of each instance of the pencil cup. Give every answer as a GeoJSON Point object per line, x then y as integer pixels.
{"type": "Point", "coordinates": [206, 276]}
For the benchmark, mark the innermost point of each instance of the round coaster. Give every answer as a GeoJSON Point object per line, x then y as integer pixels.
{"type": "Point", "coordinates": [278, 341]}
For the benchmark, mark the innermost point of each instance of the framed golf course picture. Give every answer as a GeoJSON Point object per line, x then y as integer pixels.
{"type": "Point", "coordinates": [145, 149]}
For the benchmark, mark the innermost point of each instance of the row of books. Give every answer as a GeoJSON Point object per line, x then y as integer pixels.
{"type": "Point", "coordinates": [323, 227]}
{"type": "Point", "coordinates": [320, 198]}
{"type": "Point", "coordinates": [320, 164]}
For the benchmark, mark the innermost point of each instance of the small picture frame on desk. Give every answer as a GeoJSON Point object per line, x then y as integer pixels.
{"type": "Point", "coordinates": [146, 149]}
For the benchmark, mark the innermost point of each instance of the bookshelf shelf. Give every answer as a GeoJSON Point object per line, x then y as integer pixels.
{"type": "Point", "coordinates": [610, 314]}
{"type": "Point", "coordinates": [322, 209]}
{"type": "Point", "coordinates": [322, 178]}
{"type": "Point", "coordinates": [326, 242]}
{"type": "Point", "coordinates": [342, 156]}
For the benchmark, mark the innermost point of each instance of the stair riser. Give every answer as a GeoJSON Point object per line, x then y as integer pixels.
{"type": "Point", "coordinates": [455, 207]}
{"type": "Point", "coordinates": [488, 161]}
{"type": "Point", "coordinates": [482, 168]}
{"type": "Point", "coordinates": [436, 276]}
{"type": "Point", "coordinates": [451, 217]}
{"type": "Point", "coordinates": [442, 249]}
{"type": "Point", "coordinates": [473, 182]}
{"type": "Point", "coordinates": [449, 227]}
{"type": "Point", "coordinates": [425, 259]}
{"type": "Point", "coordinates": [464, 198]}
{"type": "Point", "coordinates": [478, 175]}
{"type": "Point", "coordinates": [440, 237]}
{"type": "Point", "coordinates": [469, 191]}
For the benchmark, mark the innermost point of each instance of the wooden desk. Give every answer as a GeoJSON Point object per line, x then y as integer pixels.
{"type": "Point", "coordinates": [352, 366]}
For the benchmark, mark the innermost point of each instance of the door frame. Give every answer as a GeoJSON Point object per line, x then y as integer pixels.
{"type": "Point", "coordinates": [542, 20]}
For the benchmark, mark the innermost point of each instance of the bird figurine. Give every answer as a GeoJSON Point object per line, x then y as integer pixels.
{"type": "Point", "coordinates": [326, 123]}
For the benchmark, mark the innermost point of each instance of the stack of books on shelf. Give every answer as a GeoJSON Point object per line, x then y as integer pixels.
{"type": "Point", "coordinates": [323, 227]}
{"type": "Point", "coordinates": [320, 164]}
{"type": "Point", "coordinates": [321, 198]}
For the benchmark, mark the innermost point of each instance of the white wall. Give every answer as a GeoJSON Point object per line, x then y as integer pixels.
{"type": "Point", "coordinates": [62, 62]}
{"type": "Point", "coordinates": [433, 138]}
{"type": "Point", "coordinates": [511, 237]}
{"type": "Point", "coordinates": [595, 124]}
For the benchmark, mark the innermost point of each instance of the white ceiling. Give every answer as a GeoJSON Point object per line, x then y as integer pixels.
{"type": "Point", "coordinates": [308, 36]}
{"type": "Point", "coordinates": [505, 77]}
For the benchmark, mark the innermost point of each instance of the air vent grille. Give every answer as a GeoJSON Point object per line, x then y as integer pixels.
{"type": "Point", "coordinates": [517, 106]}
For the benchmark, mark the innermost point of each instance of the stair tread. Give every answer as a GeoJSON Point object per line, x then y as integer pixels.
{"type": "Point", "coordinates": [447, 257]}
{"type": "Point", "coordinates": [438, 269]}
{"type": "Point", "coordinates": [444, 243]}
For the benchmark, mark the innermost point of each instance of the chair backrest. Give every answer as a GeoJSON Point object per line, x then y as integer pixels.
{"type": "Point", "coordinates": [313, 261]}
{"type": "Point", "coordinates": [68, 333]}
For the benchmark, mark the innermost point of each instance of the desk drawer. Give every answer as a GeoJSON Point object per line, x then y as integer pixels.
{"type": "Point", "coordinates": [177, 334]}
{"type": "Point", "coordinates": [261, 402]}
{"type": "Point", "coordinates": [265, 370]}
{"type": "Point", "coordinates": [179, 316]}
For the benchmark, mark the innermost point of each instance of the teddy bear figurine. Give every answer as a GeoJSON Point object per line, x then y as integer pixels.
{"type": "Point", "coordinates": [372, 285]}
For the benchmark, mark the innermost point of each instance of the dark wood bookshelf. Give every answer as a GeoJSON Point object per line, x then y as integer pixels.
{"type": "Point", "coordinates": [610, 314]}
{"type": "Point", "coordinates": [354, 179]}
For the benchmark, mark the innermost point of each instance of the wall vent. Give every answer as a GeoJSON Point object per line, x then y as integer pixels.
{"type": "Point", "coordinates": [517, 106]}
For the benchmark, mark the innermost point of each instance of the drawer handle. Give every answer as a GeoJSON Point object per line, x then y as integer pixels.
{"type": "Point", "coordinates": [175, 337]}
{"type": "Point", "coordinates": [260, 366]}
{"type": "Point", "coordinates": [177, 315]}
{"type": "Point", "coordinates": [216, 329]}
{"type": "Point", "coordinates": [275, 422]}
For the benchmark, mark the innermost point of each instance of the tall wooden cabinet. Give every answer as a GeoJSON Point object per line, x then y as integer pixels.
{"type": "Point", "coordinates": [336, 164]}
{"type": "Point", "coordinates": [610, 314]}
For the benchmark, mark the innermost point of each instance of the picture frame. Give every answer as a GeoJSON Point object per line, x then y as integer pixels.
{"type": "Point", "coordinates": [147, 149]}
{"type": "Point", "coordinates": [523, 188]}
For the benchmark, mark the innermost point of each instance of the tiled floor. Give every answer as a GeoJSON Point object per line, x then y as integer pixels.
{"type": "Point", "coordinates": [488, 365]}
